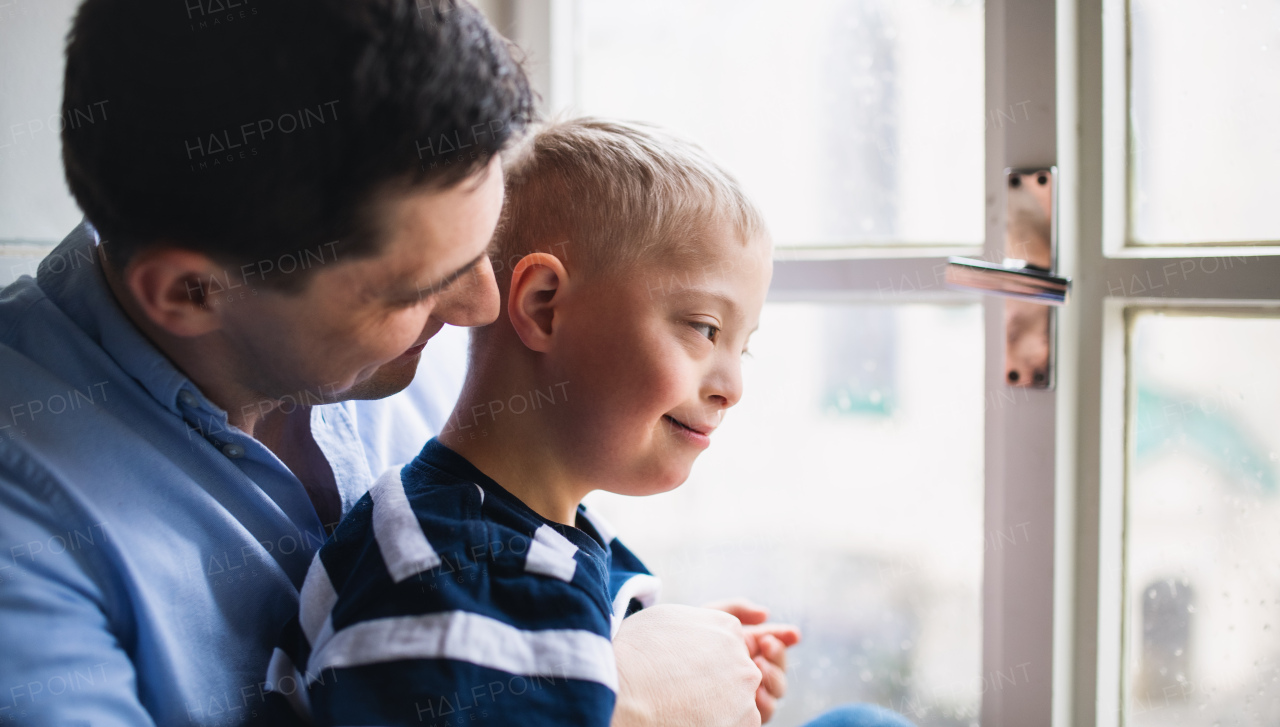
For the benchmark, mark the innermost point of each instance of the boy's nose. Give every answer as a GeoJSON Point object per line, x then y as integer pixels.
{"type": "Point", "coordinates": [472, 300]}
{"type": "Point", "coordinates": [723, 388]}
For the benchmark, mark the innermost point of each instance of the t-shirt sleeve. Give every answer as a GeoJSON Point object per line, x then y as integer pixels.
{"type": "Point", "coordinates": [442, 620]}
{"type": "Point", "coordinates": [632, 587]}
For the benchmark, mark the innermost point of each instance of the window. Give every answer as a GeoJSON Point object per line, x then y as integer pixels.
{"type": "Point", "coordinates": [1202, 576]}
{"type": "Point", "coordinates": [1204, 105]}
{"type": "Point", "coordinates": [1178, 344]}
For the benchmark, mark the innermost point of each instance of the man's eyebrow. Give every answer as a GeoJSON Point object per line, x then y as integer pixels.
{"type": "Point", "coordinates": [478, 181]}
{"type": "Point", "coordinates": [441, 285]}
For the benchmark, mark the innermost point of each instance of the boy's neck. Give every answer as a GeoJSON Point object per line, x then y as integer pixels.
{"type": "Point", "coordinates": [516, 449]}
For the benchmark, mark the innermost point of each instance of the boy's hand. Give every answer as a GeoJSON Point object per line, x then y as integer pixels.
{"type": "Point", "coordinates": [767, 644]}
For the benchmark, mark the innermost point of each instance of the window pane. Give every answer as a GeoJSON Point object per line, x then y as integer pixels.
{"type": "Point", "coordinates": [845, 492]}
{"type": "Point", "coordinates": [1205, 103]}
{"type": "Point", "coordinates": [1203, 522]}
{"type": "Point", "coordinates": [849, 121]}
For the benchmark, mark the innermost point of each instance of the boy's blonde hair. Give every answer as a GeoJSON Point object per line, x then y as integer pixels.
{"type": "Point", "coordinates": [604, 195]}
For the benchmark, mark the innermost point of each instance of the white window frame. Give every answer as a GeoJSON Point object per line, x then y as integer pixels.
{"type": "Point", "coordinates": [1123, 278]}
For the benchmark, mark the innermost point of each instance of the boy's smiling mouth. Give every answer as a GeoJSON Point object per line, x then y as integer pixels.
{"type": "Point", "coordinates": [699, 435]}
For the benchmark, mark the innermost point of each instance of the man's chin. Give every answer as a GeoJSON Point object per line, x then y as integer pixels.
{"type": "Point", "coordinates": [389, 378]}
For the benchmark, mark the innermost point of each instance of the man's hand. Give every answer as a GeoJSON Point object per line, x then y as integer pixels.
{"type": "Point", "coordinates": [680, 666]}
{"type": "Point", "coordinates": [767, 644]}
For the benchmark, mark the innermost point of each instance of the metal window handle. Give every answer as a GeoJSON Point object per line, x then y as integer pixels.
{"type": "Point", "coordinates": [1012, 279]}
{"type": "Point", "coordinates": [1026, 277]}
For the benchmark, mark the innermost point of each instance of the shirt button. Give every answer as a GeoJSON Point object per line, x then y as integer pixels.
{"type": "Point", "coordinates": [234, 451]}
{"type": "Point", "coordinates": [188, 399]}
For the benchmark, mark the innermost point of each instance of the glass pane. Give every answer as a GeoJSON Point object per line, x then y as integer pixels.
{"type": "Point", "coordinates": [1203, 531]}
{"type": "Point", "coordinates": [1205, 104]}
{"type": "Point", "coordinates": [849, 121]}
{"type": "Point", "coordinates": [845, 492]}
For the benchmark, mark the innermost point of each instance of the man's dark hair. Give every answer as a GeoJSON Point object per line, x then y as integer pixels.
{"type": "Point", "coordinates": [249, 129]}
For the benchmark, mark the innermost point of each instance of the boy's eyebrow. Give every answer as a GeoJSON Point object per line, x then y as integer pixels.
{"type": "Point", "coordinates": [724, 300]}
{"type": "Point", "coordinates": [442, 284]}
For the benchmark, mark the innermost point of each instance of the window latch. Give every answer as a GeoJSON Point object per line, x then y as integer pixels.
{"type": "Point", "coordinates": [1026, 277]}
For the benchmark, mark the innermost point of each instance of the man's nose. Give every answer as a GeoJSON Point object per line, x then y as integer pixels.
{"type": "Point", "coordinates": [472, 300]}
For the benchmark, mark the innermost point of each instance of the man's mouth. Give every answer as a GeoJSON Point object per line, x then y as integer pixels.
{"type": "Point", "coordinates": [415, 350]}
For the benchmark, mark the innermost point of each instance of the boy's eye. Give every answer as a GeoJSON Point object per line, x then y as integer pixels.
{"type": "Point", "coordinates": [707, 330]}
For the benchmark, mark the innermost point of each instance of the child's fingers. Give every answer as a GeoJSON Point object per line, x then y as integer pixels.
{"type": "Point", "coordinates": [788, 634]}
{"type": "Point", "coordinates": [766, 703]}
{"type": "Point", "coordinates": [773, 650]}
{"type": "Point", "coordinates": [740, 608]}
{"type": "Point", "coordinates": [770, 655]}
{"type": "Point", "coordinates": [774, 679]}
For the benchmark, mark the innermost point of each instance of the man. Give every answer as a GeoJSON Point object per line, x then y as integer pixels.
{"type": "Point", "coordinates": [289, 199]}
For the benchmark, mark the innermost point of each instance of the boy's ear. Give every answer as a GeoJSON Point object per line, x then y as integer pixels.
{"type": "Point", "coordinates": [172, 287]}
{"type": "Point", "coordinates": [538, 284]}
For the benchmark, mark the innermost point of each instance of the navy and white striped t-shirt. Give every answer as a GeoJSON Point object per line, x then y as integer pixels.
{"type": "Point", "coordinates": [444, 600]}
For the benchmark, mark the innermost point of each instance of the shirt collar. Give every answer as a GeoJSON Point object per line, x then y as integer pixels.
{"type": "Point", "coordinates": [436, 455]}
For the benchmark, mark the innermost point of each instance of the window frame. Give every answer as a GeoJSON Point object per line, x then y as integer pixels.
{"type": "Point", "coordinates": [1117, 143]}
{"type": "Point", "coordinates": [1123, 278]}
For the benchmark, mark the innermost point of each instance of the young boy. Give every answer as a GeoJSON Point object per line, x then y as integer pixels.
{"type": "Point", "coordinates": [471, 586]}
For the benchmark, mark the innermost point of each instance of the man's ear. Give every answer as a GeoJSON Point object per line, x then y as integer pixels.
{"type": "Point", "coordinates": [538, 284]}
{"type": "Point", "coordinates": [173, 288]}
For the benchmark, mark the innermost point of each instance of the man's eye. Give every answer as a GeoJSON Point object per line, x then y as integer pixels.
{"type": "Point", "coordinates": [707, 330]}
{"type": "Point", "coordinates": [410, 301]}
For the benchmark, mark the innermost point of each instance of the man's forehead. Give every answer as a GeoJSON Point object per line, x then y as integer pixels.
{"type": "Point", "coordinates": [422, 250]}
{"type": "Point", "coordinates": [406, 265]}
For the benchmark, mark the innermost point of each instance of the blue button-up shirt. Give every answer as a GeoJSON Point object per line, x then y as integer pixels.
{"type": "Point", "coordinates": [149, 552]}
